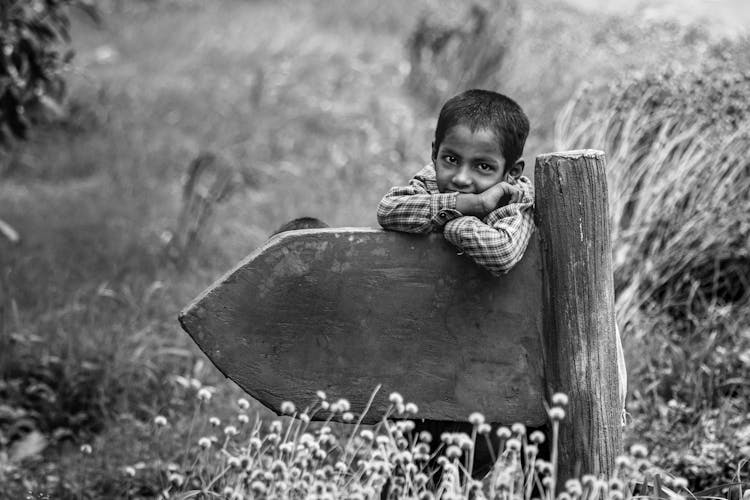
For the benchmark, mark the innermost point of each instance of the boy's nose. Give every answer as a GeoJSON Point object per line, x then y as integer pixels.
{"type": "Point", "coordinates": [462, 177]}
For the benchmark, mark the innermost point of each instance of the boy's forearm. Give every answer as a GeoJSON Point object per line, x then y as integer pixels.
{"type": "Point", "coordinates": [471, 204]}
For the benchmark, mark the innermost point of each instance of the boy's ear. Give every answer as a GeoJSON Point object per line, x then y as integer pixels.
{"type": "Point", "coordinates": [515, 170]}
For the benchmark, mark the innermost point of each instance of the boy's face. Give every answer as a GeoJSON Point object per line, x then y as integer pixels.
{"type": "Point", "coordinates": [471, 162]}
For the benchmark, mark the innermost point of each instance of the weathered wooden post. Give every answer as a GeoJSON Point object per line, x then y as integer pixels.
{"type": "Point", "coordinates": [579, 317]}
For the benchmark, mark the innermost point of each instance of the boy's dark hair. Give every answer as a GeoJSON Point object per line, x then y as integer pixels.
{"type": "Point", "coordinates": [486, 109]}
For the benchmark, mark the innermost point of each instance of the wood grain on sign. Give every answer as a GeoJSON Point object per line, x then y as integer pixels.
{"type": "Point", "coordinates": [345, 309]}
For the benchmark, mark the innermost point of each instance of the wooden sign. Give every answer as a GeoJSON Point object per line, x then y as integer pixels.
{"type": "Point", "coordinates": [343, 310]}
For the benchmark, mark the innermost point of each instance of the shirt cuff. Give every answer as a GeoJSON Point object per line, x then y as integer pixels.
{"type": "Point", "coordinates": [443, 208]}
{"type": "Point", "coordinates": [454, 230]}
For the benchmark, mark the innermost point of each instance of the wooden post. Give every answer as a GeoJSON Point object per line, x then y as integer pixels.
{"type": "Point", "coordinates": [579, 315]}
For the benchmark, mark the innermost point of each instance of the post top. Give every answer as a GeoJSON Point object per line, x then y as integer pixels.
{"type": "Point", "coordinates": [574, 154]}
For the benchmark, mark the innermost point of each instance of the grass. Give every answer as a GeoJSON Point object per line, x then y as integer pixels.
{"type": "Point", "coordinates": [312, 107]}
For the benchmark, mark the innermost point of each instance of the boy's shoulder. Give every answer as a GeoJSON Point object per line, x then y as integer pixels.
{"type": "Point", "coordinates": [427, 173]}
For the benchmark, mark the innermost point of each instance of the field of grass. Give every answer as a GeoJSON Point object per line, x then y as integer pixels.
{"type": "Point", "coordinates": [319, 108]}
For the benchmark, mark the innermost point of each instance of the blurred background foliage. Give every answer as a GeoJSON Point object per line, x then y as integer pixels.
{"type": "Point", "coordinates": [186, 131]}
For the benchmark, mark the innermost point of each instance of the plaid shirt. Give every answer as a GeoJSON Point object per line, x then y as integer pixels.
{"type": "Point", "coordinates": [496, 242]}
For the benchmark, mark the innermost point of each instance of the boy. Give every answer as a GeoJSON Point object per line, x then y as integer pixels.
{"type": "Point", "coordinates": [473, 190]}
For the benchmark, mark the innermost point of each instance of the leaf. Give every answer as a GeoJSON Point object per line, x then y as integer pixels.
{"type": "Point", "coordinates": [31, 445]}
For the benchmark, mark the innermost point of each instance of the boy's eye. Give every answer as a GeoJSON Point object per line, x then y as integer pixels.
{"type": "Point", "coordinates": [450, 159]}
{"type": "Point", "coordinates": [485, 167]}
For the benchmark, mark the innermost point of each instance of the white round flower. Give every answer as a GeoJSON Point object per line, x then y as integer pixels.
{"type": "Point", "coordinates": [476, 419]}
{"type": "Point", "coordinates": [396, 398]}
{"type": "Point", "coordinates": [204, 442]}
{"type": "Point", "coordinates": [287, 408]}
{"type": "Point", "coordinates": [160, 421]}
{"type": "Point", "coordinates": [204, 394]}
{"type": "Point", "coordinates": [243, 403]}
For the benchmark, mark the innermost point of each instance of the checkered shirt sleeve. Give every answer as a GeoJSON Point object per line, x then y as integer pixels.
{"type": "Point", "coordinates": [498, 241]}
{"type": "Point", "coordinates": [418, 207]}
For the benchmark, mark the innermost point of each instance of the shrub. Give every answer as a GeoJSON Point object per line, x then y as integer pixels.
{"type": "Point", "coordinates": [33, 39]}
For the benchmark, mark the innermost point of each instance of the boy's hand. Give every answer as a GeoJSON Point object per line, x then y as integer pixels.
{"type": "Point", "coordinates": [499, 195]}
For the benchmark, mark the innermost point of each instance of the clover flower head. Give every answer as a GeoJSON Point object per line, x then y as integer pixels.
{"type": "Point", "coordinates": [411, 408]}
{"type": "Point", "coordinates": [242, 418]}
{"type": "Point", "coordinates": [231, 430]}
{"type": "Point", "coordinates": [86, 449]}
{"type": "Point", "coordinates": [532, 450]}
{"type": "Point", "coordinates": [214, 421]}
{"type": "Point", "coordinates": [537, 437]}
{"type": "Point", "coordinates": [287, 408]}
{"type": "Point", "coordinates": [503, 432]}
{"type": "Point", "coordinates": [275, 427]}
{"type": "Point", "coordinates": [616, 495]}
{"type": "Point", "coordinates": [234, 462]}
{"type": "Point", "coordinates": [204, 394]}
{"type": "Point", "coordinates": [396, 398]}
{"type": "Point", "coordinates": [347, 416]}
{"type": "Point", "coordinates": [560, 399]}
{"type": "Point", "coordinates": [513, 444]}
{"type": "Point", "coordinates": [588, 479]}
{"type": "Point", "coordinates": [476, 419]}
{"type": "Point", "coordinates": [243, 403]}
{"type": "Point", "coordinates": [129, 471]}
{"type": "Point", "coordinates": [258, 487]}
{"type": "Point", "coordinates": [286, 447]}
{"type": "Point", "coordinates": [623, 461]}
{"type": "Point", "coordinates": [382, 440]}
{"type": "Point", "coordinates": [556, 413]}
{"type": "Point", "coordinates": [367, 435]}
{"type": "Point", "coordinates": [484, 428]}
{"type": "Point", "coordinates": [638, 450]}
{"type": "Point", "coordinates": [321, 395]}
{"type": "Point", "coordinates": [182, 381]}
{"type": "Point", "coordinates": [408, 425]}
{"type": "Point", "coordinates": [453, 451]}
{"type": "Point", "coordinates": [325, 405]}
{"type": "Point", "coordinates": [227, 491]}
{"type": "Point", "coordinates": [195, 383]}
{"type": "Point", "coordinates": [544, 467]}
{"type": "Point", "coordinates": [176, 479]}
{"type": "Point", "coordinates": [255, 443]}
{"type": "Point", "coordinates": [573, 487]}
{"type": "Point", "coordinates": [305, 418]}
{"type": "Point", "coordinates": [425, 436]}
{"type": "Point", "coordinates": [307, 440]}
{"type": "Point", "coordinates": [464, 441]}
{"type": "Point", "coordinates": [204, 442]}
{"type": "Point", "coordinates": [160, 421]}
{"type": "Point", "coordinates": [518, 429]}
{"type": "Point", "coordinates": [273, 438]}
{"type": "Point", "coordinates": [681, 483]}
